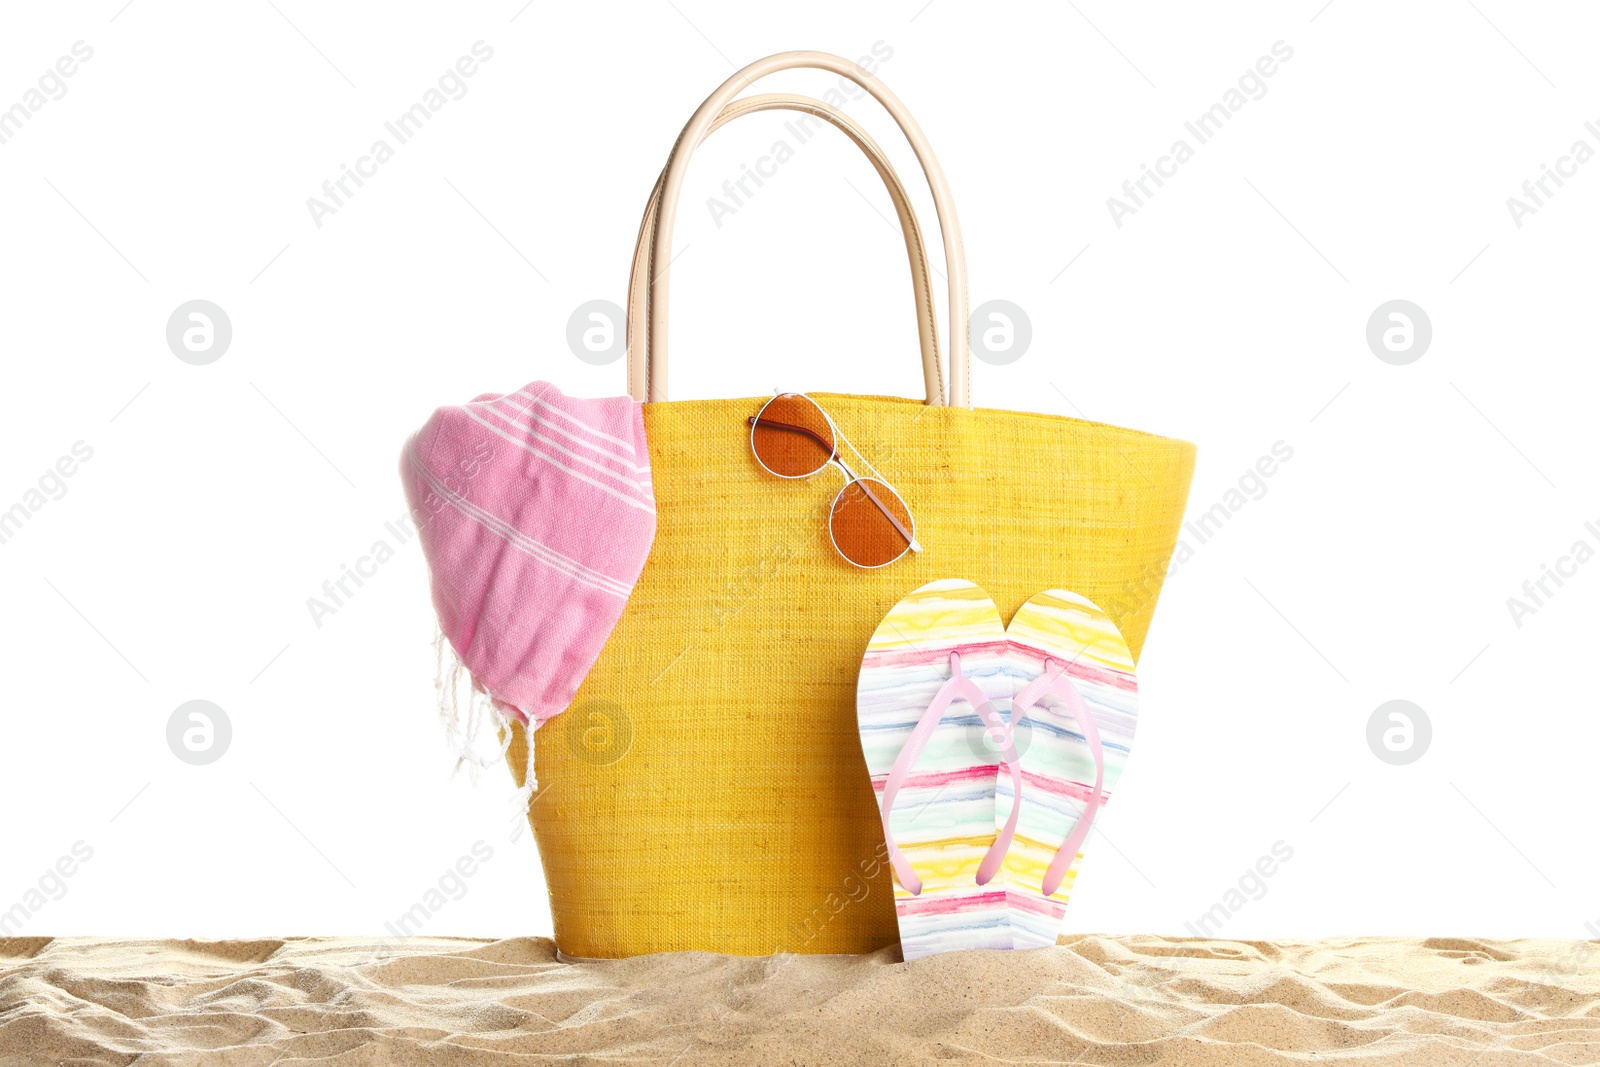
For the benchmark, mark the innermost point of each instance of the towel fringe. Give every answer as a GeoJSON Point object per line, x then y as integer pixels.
{"type": "Point", "coordinates": [523, 799]}
{"type": "Point", "coordinates": [468, 712]}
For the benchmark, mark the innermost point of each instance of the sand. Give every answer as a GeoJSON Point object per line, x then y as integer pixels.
{"type": "Point", "coordinates": [1089, 1000]}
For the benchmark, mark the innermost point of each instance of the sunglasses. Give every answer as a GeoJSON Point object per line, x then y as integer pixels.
{"type": "Point", "coordinates": [792, 437]}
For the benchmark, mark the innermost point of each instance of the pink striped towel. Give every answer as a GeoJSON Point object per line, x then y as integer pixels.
{"type": "Point", "coordinates": [536, 514]}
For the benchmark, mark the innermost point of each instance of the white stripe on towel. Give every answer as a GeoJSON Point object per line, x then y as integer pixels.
{"type": "Point", "coordinates": [628, 481]}
{"type": "Point", "coordinates": [517, 539]}
{"type": "Point", "coordinates": [625, 498]}
{"type": "Point", "coordinates": [629, 445]}
{"type": "Point", "coordinates": [625, 453]}
{"type": "Point", "coordinates": [537, 421]}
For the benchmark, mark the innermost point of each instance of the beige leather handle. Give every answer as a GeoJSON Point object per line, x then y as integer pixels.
{"type": "Point", "coordinates": [916, 251]}
{"type": "Point", "coordinates": [672, 187]}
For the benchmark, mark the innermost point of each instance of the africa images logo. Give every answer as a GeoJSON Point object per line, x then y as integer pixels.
{"type": "Point", "coordinates": [1252, 85]}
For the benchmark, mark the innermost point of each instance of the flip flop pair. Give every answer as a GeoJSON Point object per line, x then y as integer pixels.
{"type": "Point", "coordinates": [960, 716]}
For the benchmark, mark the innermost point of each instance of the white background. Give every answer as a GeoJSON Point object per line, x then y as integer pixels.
{"type": "Point", "coordinates": [1229, 311]}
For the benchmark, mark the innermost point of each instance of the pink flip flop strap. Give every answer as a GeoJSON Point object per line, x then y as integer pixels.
{"type": "Point", "coordinates": [961, 686]}
{"type": "Point", "coordinates": [1054, 680]}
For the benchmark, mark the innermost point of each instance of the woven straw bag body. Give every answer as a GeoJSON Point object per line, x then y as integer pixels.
{"type": "Point", "coordinates": [706, 790]}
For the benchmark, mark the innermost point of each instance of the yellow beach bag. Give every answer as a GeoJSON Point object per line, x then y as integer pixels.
{"type": "Point", "coordinates": [706, 789]}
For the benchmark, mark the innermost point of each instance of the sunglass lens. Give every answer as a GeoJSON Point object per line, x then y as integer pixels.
{"type": "Point", "coordinates": [871, 525]}
{"type": "Point", "coordinates": [792, 436]}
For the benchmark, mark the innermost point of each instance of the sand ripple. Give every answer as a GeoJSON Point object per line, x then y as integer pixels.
{"type": "Point", "coordinates": [345, 1002]}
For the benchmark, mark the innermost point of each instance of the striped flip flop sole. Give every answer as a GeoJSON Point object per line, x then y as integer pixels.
{"type": "Point", "coordinates": [1058, 769]}
{"type": "Point", "coordinates": [943, 818]}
